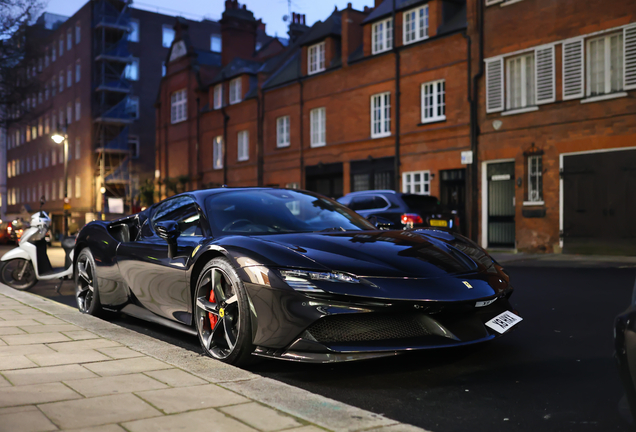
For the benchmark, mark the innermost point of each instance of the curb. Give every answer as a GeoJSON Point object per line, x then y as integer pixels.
{"type": "Point", "coordinates": [309, 407]}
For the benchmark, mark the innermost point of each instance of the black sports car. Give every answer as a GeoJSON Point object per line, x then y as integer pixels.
{"type": "Point", "coordinates": [292, 275]}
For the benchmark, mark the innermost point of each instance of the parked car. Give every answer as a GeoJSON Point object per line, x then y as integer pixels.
{"type": "Point", "coordinates": [625, 354]}
{"type": "Point", "coordinates": [4, 233]}
{"type": "Point", "coordinates": [291, 275]}
{"type": "Point", "coordinates": [16, 228]}
{"type": "Point", "coordinates": [403, 210]}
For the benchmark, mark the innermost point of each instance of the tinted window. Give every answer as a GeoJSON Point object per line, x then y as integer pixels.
{"type": "Point", "coordinates": [278, 211]}
{"type": "Point", "coordinates": [183, 210]}
{"type": "Point", "coordinates": [421, 202]}
{"type": "Point", "coordinates": [368, 202]}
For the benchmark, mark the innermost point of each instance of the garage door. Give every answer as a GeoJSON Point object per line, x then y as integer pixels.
{"type": "Point", "coordinates": [599, 203]}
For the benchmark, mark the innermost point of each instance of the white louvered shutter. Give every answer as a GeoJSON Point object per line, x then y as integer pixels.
{"type": "Point", "coordinates": [629, 57]}
{"type": "Point", "coordinates": [573, 69]}
{"type": "Point", "coordinates": [492, 2]}
{"type": "Point", "coordinates": [544, 75]}
{"type": "Point", "coordinates": [494, 86]}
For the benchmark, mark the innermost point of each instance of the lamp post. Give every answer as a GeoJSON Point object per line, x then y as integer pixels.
{"type": "Point", "coordinates": [60, 138]}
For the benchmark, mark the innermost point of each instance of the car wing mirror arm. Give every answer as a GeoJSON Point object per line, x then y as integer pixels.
{"type": "Point", "coordinates": [169, 231]}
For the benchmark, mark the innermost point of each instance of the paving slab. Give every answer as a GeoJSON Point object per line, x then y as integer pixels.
{"type": "Point", "coordinates": [208, 420]}
{"type": "Point", "coordinates": [56, 359]}
{"type": "Point", "coordinates": [48, 374]}
{"type": "Point", "coordinates": [181, 399]}
{"type": "Point", "coordinates": [306, 429]}
{"type": "Point", "coordinates": [47, 319]}
{"type": "Point", "coordinates": [35, 394]}
{"type": "Point", "coordinates": [106, 428]}
{"type": "Point", "coordinates": [24, 350]}
{"type": "Point", "coordinates": [11, 331]}
{"type": "Point", "coordinates": [97, 411]}
{"type": "Point", "coordinates": [15, 362]}
{"type": "Point", "coordinates": [80, 335]}
{"type": "Point", "coordinates": [4, 382]}
{"type": "Point", "coordinates": [82, 345]}
{"type": "Point", "coordinates": [127, 366]}
{"type": "Point", "coordinates": [261, 417]}
{"type": "Point", "coordinates": [31, 420]}
{"type": "Point", "coordinates": [2, 343]}
{"type": "Point", "coordinates": [38, 338]}
{"type": "Point", "coordinates": [114, 385]}
{"type": "Point", "coordinates": [41, 328]}
{"type": "Point", "coordinates": [18, 323]}
{"type": "Point", "coordinates": [120, 352]}
{"type": "Point", "coordinates": [176, 378]}
{"type": "Point", "coordinates": [396, 428]}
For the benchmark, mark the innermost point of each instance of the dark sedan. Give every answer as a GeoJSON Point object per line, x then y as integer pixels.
{"type": "Point", "coordinates": [291, 275]}
{"type": "Point", "coordinates": [402, 210]}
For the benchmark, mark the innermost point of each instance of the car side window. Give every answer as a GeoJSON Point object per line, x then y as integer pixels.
{"type": "Point", "coordinates": [369, 202]}
{"type": "Point", "coordinates": [182, 210]}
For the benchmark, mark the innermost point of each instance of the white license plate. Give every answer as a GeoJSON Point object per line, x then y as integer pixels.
{"type": "Point", "coordinates": [504, 322]}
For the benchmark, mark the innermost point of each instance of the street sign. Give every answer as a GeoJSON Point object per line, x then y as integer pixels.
{"type": "Point", "coordinates": [67, 200]}
{"type": "Point", "coordinates": [467, 157]}
{"type": "Point", "coordinates": [67, 206]}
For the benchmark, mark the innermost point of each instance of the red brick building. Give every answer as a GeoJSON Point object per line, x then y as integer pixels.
{"type": "Point", "coordinates": [557, 143]}
{"type": "Point", "coordinates": [322, 113]}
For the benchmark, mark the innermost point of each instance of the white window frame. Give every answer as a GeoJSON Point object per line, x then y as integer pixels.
{"type": "Point", "coordinates": [243, 146]}
{"type": "Point", "coordinates": [212, 38]}
{"type": "Point", "coordinates": [78, 147]}
{"type": "Point", "coordinates": [78, 71]}
{"type": "Point", "coordinates": [535, 196]}
{"type": "Point", "coordinates": [282, 131]}
{"type": "Point", "coordinates": [236, 91]}
{"type": "Point", "coordinates": [179, 106]}
{"type": "Point", "coordinates": [316, 58]}
{"type": "Point", "coordinates": [69, 113]}
{"type": "Point", "coordinates": [381, 115]}
{"type": "Point", "coordinates": [69, 39]}
{"type": "Point", "coordinates": [437, 100]}
{"type": "Point", "coordinates": [318, 127]}
{"type": "Point", "coordinates": [167, 29]}
{"type": "Point", "coordinates": [217, 153]}
{"type": "Point", "coordinates": [131, 71]}
{"type": "Point", "coordinates": [409, 183]}
{"type": "Point", "coordinates": [607, 66]}
{"type": "Point", "coordinates": [525, 102]}
{"type": "Point", "coordinates": [78, 33]}
{"type": "Point", "coordinates": [78, 109]}
{"type": "Point", "coordinates": [415, 23]}
{"type": "Point", "coordinates": [133, 34]}
{"type": "Point", "coordinates": [218, 96]}
{"type": "Point", "coordinates": [382, 36]}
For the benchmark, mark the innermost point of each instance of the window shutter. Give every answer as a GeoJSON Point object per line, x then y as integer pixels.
{"type": "Point", "coordinates": [544, 75]}
{"type": "Point", "coordinates": [573, 69]}
{"type": "Point", "coordinates": [494, 86]}
{"type": "Point", "coordinates": [492, 2]}
{"type": "Point", "coordinates": [629, 57]}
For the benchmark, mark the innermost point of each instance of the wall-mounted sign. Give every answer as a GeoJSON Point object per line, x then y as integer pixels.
{"type": "Point", "coordinates": [467, 157]}
{"type": "Point", "coordinates": [115, 205]}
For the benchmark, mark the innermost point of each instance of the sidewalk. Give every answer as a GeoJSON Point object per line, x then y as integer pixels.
{"type": "Point", "coordinates": [61, 370]}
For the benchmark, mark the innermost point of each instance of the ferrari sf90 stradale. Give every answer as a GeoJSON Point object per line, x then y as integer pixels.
{"type": "Point", "coordinates": [291, 275]}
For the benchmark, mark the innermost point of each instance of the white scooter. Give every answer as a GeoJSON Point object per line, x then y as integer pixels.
{"type": "Point", "coordinates": [21, 268]}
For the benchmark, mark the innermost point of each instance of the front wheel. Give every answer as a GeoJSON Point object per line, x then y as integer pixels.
{"type": "Point", "coordinates": [18, 273]}
{"type": "Point", "coordinates": [222, 314]}
{"type": "Point", "coordinates": [86, 290]}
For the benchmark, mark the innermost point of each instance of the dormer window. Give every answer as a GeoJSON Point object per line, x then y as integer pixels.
{"type": "Point", "coordinates": [415, 25]}
{"type": "Point", "coordinates": [316, 58]}
{"type": "Point", "coordinates": [235, 91]}
{"type": "Point", "coordinates": [382, 34]}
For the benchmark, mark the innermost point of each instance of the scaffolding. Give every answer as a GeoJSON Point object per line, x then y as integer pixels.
{"type": "Point", "coordinates": [113, 107]}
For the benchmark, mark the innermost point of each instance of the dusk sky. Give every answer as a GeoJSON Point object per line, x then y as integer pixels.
{"type": "Point", "coordinates": [271, 11]}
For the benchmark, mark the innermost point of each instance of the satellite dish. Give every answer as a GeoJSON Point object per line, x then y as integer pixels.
{"type": "Point", "coordinates": [285, 18]}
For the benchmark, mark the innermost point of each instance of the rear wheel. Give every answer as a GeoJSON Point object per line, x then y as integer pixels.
{"type": "Point", "coordinates": [18, 273]}
{"type": "Point", "coordinates": [222, 314]}
{"type": "Point", "coordinates": [86, 291]}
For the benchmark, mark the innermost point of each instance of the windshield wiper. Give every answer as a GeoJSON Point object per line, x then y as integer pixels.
{"type": "Point", "coordinates": [332, 229]}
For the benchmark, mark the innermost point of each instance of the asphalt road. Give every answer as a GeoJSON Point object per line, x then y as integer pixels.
{"type": "Point", "coordinates": [555, 372]}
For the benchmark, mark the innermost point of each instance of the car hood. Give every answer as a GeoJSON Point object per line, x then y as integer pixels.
{"type": "Point", "coordinates": [418, 254]}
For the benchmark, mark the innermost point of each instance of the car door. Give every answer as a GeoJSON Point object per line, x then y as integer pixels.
{"type": "Point", "coordinates": [157, 281]}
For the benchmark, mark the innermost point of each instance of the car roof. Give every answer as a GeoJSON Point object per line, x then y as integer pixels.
{"type": "Point", "coordinates": [366, 192]}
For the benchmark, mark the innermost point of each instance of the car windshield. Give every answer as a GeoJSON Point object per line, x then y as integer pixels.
{"type": "Point", "coordinates": [256, 212]}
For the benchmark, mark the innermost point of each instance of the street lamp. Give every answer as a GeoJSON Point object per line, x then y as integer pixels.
{"type": "Point", "coordinates": [59, 138]}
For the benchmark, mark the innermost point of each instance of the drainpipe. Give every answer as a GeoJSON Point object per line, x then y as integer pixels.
{"type": "Point", "coordinates": [226, 119]}
{"type": "Point", "coordinates": [196, 143]}
{"type": "Point", "coordinates": [396, 167]}
{"type": "Point", "coordinates": [302, 130]}
{"type": "Point", "coordinates": [260, 110]}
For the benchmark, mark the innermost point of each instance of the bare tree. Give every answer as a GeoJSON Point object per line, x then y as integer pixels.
{"type": "Point", "coordinates": [19, 56]}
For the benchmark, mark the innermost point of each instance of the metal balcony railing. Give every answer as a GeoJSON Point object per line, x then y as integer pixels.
{"type": "Point", "coordinates": [120, 113]}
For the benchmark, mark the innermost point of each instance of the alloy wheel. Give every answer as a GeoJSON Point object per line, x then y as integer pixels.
{"type": "Point", "coordinates": [217, 313]}
{"type": "Point", "coordinates": [85, 290]}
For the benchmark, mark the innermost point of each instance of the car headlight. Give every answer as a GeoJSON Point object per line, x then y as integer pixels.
{"type": "Point", "coordinates": [303, 280]}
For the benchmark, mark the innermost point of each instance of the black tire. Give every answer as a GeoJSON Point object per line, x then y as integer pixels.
{"type": "Point", "coordinates": [86, 289]}
{"type": "Point", "coordinates": [10, 274]}
{"type": "Point", "coordinates": [229, 339]}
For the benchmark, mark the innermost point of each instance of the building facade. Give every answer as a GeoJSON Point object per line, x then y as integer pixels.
{"type": "Point", "coordinates": [99, 72]}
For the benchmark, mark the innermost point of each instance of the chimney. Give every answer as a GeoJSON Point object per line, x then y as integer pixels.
{"type": "Point", "coordinates": [296, 27]}
{"type": "Point", "coordinates": [378, 3]}
{"type": "Point", "coordinates": [238, 32]}
{"type": "Point", "coordinates": [352, 32]}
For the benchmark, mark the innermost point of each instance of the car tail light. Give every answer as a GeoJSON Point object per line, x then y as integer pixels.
{"type": "Point", "coordinates": [410, 219]}
{"type": "Point", "coordinates": [9, 229]}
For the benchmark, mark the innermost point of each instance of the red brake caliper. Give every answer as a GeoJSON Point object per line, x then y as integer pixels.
{"type": "Point", "coordinates": [213, 318]}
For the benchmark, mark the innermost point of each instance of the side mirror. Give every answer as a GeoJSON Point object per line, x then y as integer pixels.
{"type": "Point", "coordinates": [381, 223]}
{"type": "Point", "coordinates": [169, 231]}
